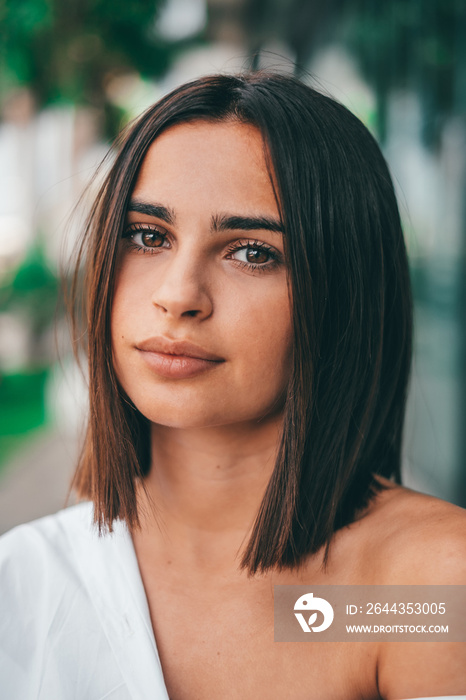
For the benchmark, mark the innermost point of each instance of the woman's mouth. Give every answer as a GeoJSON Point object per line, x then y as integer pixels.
{"type": "Point", "coordinates": [177, 359]}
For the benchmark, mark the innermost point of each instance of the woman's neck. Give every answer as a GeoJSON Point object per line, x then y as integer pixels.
{"type": "Point", "coordinates": [206, 486]}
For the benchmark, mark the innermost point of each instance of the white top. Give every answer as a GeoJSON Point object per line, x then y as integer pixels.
{"type": "Point", "coordinates": [74, 621]}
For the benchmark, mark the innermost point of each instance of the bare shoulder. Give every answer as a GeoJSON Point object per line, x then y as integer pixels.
{"type": "Point", "coordinates": [416, 539]}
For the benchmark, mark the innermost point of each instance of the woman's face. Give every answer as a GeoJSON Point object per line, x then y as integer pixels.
{"type": "Point", "coordinates": [201, 322]}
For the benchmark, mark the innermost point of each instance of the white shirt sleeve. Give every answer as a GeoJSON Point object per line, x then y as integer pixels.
{"type": "Point", "coordinates": [74, 621]}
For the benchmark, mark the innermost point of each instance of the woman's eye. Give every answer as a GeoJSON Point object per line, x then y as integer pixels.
{"type": "Point", "coordinates": [254, 255]}
{"type": "Point", "coordinates": [151, 239]}
{"type": "Point", "coordinates": [145, 237]}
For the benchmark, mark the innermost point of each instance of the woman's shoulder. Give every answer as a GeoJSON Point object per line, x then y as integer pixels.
{"type": "Point", "coordinates": [413, 538]}
{"type": "Point", "coordinates": [47, 533]}
{"type": "Point", "coordinates": [58, 613]}
{"type": "Point", "coordinates": [37, 558]}
{"type": "Point", "coordinates": [79, 514]}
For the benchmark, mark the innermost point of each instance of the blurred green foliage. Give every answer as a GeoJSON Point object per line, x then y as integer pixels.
{"type": "Point", "coordinates": [22, 408]}
{"type": "Point", "coordinates": [67, 50]}
{"type": "Point", "coordinates": [414, 44]}
{"type": "Point", "coordinates": [31, 291]}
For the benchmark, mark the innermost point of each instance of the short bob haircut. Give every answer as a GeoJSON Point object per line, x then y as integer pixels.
{"type": "Point", "coordinates": [351, 315]}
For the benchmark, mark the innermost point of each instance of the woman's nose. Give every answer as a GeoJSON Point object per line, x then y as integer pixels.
{"type": "Point", "coordinates": [181, 288]}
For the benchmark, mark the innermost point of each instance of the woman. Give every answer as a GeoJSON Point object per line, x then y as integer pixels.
{"type": "Point", "coordinates": [249, 341]}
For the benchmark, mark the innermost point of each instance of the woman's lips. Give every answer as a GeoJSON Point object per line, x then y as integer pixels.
{"type": "Point", "coordinates": [177, 359]}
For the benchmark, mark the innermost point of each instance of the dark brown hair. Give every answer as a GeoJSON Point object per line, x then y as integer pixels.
{"type": "Point", "coordinates": [352, 314]}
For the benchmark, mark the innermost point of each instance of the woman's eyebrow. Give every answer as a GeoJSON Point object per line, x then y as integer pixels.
{"type": "Point", "coordinates": [220, 222]}
{"type": "Point", "coordinates": [156, 210]}
{"type": "Point", "coordinates": [246, 223]}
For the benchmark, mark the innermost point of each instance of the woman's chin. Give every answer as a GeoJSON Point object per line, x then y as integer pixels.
{"type": "Point", "coordinates": [185, 419]}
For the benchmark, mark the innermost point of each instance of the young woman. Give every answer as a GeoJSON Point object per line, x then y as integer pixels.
{"type": "Point", "coordinates": [248, 321]}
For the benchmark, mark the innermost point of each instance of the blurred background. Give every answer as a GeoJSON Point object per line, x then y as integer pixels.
{"type": "Point", "coordinates": [73, 72]}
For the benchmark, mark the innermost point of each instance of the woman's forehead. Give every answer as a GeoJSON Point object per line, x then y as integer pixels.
{"type": "Point", "coordinates": [209, 140]}
{"type": "Point", "coordinates": [216, 164]}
